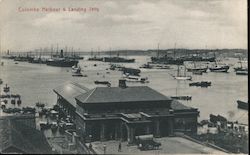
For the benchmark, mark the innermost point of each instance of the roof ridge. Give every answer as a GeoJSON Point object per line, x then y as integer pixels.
{"type": "Point", "coordinates": [93, 90]}
{"type": "Point", "coordinates": [78, 85]}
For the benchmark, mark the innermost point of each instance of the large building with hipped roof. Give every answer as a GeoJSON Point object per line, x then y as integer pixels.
{"type": "Point", "coordinates": [121, 113]}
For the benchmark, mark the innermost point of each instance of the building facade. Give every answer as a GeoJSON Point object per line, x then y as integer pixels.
{"type": "Point", "coordinates": [121, 113]}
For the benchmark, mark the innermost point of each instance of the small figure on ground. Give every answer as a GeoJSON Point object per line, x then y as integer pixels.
{"type": "Point", "coordinates": [119, 147]}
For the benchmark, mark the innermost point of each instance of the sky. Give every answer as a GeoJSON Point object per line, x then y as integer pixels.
{"type": "Point", "coordinates": [123, 24]}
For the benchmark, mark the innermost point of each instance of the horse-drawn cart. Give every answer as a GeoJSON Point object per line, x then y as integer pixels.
{"type": "Point", "coordinates": [147, 142]}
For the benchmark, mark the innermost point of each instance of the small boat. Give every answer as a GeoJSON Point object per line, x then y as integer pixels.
{"type": "Point", "coordinates": [242, 105]}
{"type": "Point", "coordinates": [200, 84]}
{"type": "Point", "coordinates": [130, 78]}
{"type": "Point", "coordinates": [147, 66]}
{"type": "Point", "coordinates": [102, 82]}
{"type": "Point", "coordinates": [19, 102]}
{"type": "Point", "coordinates": [3, 105]}
{"type": "Point", "coordinates": [130, 71]}
{"type": "Point", "coordinates": [76, 69]}
{"type": "Point", "coordinates": [13, 101]}
{"type": "Point", "coordinates": [6, 89]}
{"type": "Point", "coordinates": [187, 98]}
{"type": "Point", "coordinates": [40, 105]}
{"type": "Point", "coordinates": [78, 75]}
{"type": "Point", "coordinates": [223, 68]}
{"type": "Point", "coordinates": [241, 72]}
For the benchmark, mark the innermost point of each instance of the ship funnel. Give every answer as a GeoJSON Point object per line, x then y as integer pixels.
{"type": "Point", "coordinates": [61, 54]}
{"type": "Point", "coordinates": [122, 83]}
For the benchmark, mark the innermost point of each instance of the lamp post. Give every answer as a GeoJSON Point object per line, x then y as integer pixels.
{"type": "Point", "coordinates": [90, 138]}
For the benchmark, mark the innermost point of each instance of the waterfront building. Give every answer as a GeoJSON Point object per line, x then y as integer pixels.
{"type": "Point", "coordinates": [66, 94]}
{"type": "Point", "coordinates": [19, 135]}
{"type": "Point", "coordinates": [121, 113]}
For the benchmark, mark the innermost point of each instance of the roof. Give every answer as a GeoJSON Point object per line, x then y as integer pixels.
{"type": "Point", "coordinates": [117, 94]}
{"type": "Point", "coordinates": [176, 105]}
{"type": "Point", "coordinates": [69, 91]}
{"type": "Point", "coordinates": [14, 134]}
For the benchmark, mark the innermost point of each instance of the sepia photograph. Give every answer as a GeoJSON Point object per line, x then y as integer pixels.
{"type": "Point", "coordinates": [124, 77]}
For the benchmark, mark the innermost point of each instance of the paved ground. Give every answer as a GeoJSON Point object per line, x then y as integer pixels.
{"type": "Point", "coordinates": [170, 145]}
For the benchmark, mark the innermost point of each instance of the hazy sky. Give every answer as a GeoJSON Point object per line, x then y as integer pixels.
{"type": "Point", "coordinates": [124, 24]}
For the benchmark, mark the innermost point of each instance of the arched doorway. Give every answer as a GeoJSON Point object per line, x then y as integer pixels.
{"type": "Point", "coordinates": [124, 132]}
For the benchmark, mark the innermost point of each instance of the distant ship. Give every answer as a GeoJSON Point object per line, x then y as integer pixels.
{"type": "Point", "coordinates": [95, 59]}
{"type": "Point", "coordinates": [61, 61]}
{"type": "Point", "coordinates": [74, 57]}
{"type": "Point", "coordinates": [179, 61]}
{"type": "Point", "coordinates": [242, 104]}
{"type": "Point", "coordinates": [196, 69]}
{"type": "Point", "coordinates": [118, 59]}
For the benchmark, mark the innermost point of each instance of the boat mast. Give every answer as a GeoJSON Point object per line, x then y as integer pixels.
{"type": "Point", "coordinates": [174, 49]}
{"type": "Point", "coordinates": [158, 50]}
{"type": "Point", "coordinates": [240, 62]}
{"type": "Point", "coordinates": [98, 51]}
{"type": "Point", "coordinates": [178, 71]}
{"type": "Point", "coordinates": [184, 70]}
{"type": "Point", "coordinates": [56, 49]}
{"type": "Point", "coordinates": [110, 56]}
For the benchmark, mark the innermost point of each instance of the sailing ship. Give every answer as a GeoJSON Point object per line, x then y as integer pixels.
{"type": "Point", "coordinates": [240, 70]}
{"type": "Point", "coordinates": [195, 69]}
{"type": "Point", "coordinates": [182, 77]}
{"type": "Point", "coordinates": [94, 58]}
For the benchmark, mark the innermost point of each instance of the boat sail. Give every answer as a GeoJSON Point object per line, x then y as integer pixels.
{"type": "Point", "coordinates": [182, 77]}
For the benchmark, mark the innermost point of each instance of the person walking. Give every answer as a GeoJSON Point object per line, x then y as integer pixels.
{"type": "Point", "coordinates": [119, 147]}
{"type": "Point", "coordinates": [104, 149]}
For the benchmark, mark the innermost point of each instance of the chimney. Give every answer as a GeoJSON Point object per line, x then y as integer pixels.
{"type": "Point", "coordinates": [122, 83]}
{"type": "Point", "coordinates": [61, 54]}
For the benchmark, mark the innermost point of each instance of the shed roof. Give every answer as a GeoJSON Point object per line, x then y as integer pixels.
{"type": "Point", "coordinates": [69, 91]}
{"type": "Point", "coordinates": [176, 105]}
{"type": "Point", "coordinates": [14, 134]}
{"type": "Point", "coordinates": [117, 94]}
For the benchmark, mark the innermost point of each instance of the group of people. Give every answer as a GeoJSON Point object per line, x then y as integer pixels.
{"type": "Point", "coordinates": [105, 147]}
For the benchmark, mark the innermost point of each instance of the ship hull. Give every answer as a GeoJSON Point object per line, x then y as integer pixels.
{"type": "Point", "coordinates": [183, 77]}
{"type": "Point", "coordinates": [219, 69]}
{"type": "Point", "coordinates": [118, 60]}
{"type": "Point", "coordinates": [61, 63]}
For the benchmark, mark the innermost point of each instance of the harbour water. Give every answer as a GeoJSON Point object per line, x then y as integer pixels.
{"type": "Point", "coordinates": [35, 82]}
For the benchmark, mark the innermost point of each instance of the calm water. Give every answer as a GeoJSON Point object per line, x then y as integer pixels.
{"type": "Point", "coordinates": [35, 82]}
